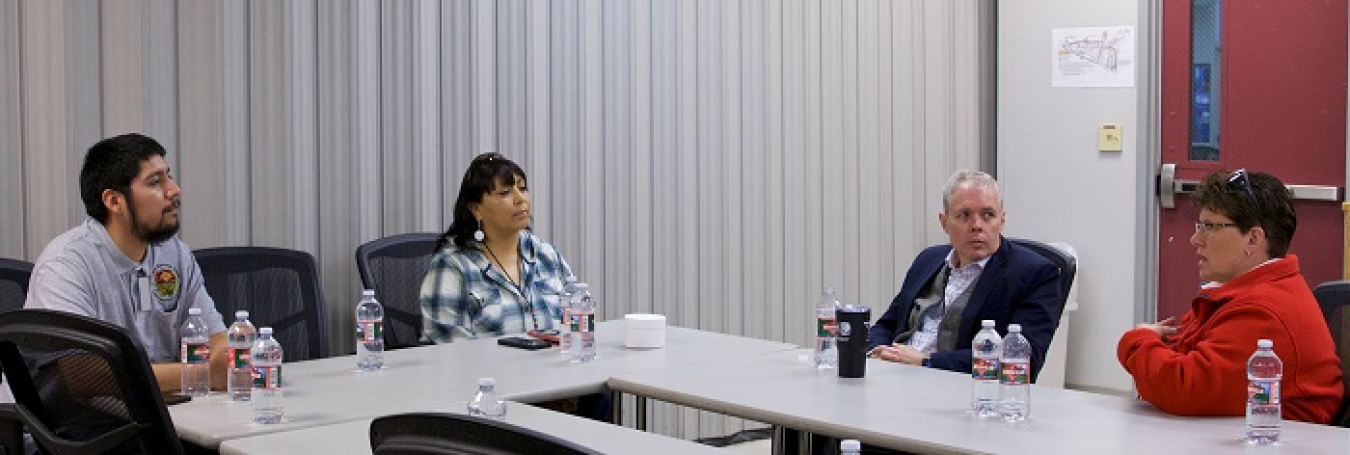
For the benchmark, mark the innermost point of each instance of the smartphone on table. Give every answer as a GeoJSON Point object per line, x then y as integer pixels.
{"type": "Point", "coordinates": [524, 343]}
{"type": "Point", "coordinates": [171, 398]}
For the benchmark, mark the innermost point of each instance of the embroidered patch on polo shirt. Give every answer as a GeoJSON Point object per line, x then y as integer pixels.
{"type": "Point", "coordinates": [166, 282]}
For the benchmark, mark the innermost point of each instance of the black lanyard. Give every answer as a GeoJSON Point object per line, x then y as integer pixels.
{"type": "Point", "coordinates": [526, 304]}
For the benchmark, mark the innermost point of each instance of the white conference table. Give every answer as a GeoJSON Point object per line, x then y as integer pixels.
{"type": "Point", "coordinates": [926, 410]}
{"type": "Point", "coordinates": [353, 437]}
{"type": "Point", "coordinates": [429, 378]}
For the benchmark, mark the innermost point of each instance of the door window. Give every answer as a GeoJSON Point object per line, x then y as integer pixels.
{"type": "Point", "coordinates": [1205, 80]}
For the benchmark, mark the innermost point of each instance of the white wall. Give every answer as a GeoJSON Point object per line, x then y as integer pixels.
{"type": "Point", "coordinates": [1060, 188]}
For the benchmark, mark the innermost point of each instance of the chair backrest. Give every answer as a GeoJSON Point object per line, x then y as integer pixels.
{"type": "Point", "coordinates": [394, 267]}
{"type": "Point", "coordinates": [14, 276]}
{"type": "Point", "coordinates": [443, 433]}
{"type": "Point", "coordinates": [82, 385]}
{"type": "Point", "coordinates": [1334, 297]}
{"type": "Point", "coordinates": [1068, 266]}
{"type": "Point", "coordinates": [278, 287]}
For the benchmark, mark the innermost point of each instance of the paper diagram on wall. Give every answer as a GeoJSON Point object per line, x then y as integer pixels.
{"type": "Point", "coordinates": [1092, 57]}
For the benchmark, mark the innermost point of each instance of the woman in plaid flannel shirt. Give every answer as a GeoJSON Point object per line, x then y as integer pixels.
{"type": "Point", "coordinates": [490, 275]}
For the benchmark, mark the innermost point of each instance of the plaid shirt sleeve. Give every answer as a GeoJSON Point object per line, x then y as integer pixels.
{"type": "Point", "coordinates": [446, 313]}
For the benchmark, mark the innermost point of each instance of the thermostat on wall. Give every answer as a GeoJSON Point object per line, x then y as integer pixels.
{"type": "Point", "coordinates": [1109, 138]}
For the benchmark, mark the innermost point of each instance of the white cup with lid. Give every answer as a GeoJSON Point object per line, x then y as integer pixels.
{"type": "Point", "coordinates": [644, 331]}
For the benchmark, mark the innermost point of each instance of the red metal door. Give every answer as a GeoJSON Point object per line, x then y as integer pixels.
{"type": "Point", "coordinates": [1266, 92]}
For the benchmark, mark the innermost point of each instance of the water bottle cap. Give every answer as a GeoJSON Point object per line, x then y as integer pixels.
{"type": "Point", "coordinates": [486, 382]}
{"type": "Point", "coordinates": [265, 331]}
{"type": "Point", "coordinates": [1264, 343]}
{"type": "Point", "coordinates": [241, 314]}
{"type": "Point", "coordinates": [1014, 328]}
{"type": "Point", "coordinates": [367, 293]}
{"type": "Point", "coordinates": [194, 311]}
{"type": "Point", "coordinates": [581, 286]}
{"type": "Point", "coordinates": [570, 279]}
{"type": "Point", "coordinates": [850, 445]}
{"type": "Point", "coordinates": [987, 323]}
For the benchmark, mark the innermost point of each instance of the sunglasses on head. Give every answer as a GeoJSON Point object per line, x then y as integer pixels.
{"type": "Point", "coordinates": [1241, 180]}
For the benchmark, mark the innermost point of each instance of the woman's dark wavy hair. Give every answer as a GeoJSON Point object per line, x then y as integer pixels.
{"type": "Point", "coordinates": [484, 171]}
{"type": "Point", "coordinates": [1223, 193]}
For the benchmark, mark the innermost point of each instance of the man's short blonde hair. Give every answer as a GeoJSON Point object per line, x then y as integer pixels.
{"type": "Point", "coordinates": [967, 178]}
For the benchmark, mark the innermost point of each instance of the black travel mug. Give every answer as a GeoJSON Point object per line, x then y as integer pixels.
{"type": "Point", "coordinates": [853, 322]}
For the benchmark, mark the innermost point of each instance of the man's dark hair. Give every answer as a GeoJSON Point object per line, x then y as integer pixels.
{"type": "Point", "coordinates": [112, 164]}
{"type": "Point", "coordinates": [1250, 200]}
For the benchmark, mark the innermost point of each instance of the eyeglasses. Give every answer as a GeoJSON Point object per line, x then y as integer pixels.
{"type": "Point", "coordinates": [1240, 179]}
{"type": "Point", "coordinates": [1210, 228]}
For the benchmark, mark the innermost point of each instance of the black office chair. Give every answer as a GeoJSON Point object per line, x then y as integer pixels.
{"type": "Point", "coordinates": [394, 267]}
{"type": "Point", "coordinates": [278, 287]}
{"type": "Point", "coordinates": [443, 433]}
{"type": "Point", "coordinates": [1068, 266]}
{"type": "Point", "coordinates": [80, 386]}
{"type": "Point", "coordinates": [14, 276]}
{"type": "Point", "coordinates": [1334, 297]}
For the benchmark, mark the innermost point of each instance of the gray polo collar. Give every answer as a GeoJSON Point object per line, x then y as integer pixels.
{"type": "Point", "coordinates": [123, 264]}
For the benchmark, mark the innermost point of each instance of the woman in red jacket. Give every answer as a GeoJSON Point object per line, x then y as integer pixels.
{"type": "Point", "coordinates": [1253, 291]}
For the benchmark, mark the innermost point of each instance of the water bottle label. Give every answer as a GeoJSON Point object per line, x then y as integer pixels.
{"type": "Point", "coordinates": [195, 352]}
{"type": "Point", "coordinates": [369, 331]}
{"type": "Point", "coordinates": [1263, 392]}
{"type": "Point", "coordinates": [573, 323]}
{"type": "Point", "coordinates": [823, 326]}
{"type": "Point", "coordinates": [239, 357]}
{"type": "Point", "coordinates": [1014, 373]}
{"type": "Point", "coordinates": [267, 377]}
{"type": "Point", "coordinates": [586, 323]}
{"type": "Point", "coordinates": [986, 369]}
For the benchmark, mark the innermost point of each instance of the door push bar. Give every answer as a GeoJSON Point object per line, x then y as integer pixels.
{"type": "Point", "coordinates": [1169, 187]}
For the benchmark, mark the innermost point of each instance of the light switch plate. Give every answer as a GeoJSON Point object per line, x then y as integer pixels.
{"type": "Point", "coordinates": [1109, 138]}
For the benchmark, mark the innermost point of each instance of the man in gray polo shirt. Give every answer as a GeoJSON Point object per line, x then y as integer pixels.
{"type": "Point", "coordinates": [124, 264]}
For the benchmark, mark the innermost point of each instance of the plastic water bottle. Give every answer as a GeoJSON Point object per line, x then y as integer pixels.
{"type": "Point", "coordinates": [583, 309]}
{"type": "Point", "coordinates": [565, 326]}
{"type": "Point", "coordinates": [850, 447]}
{"type": "Point", "coordinates": [369, 332]}
{"type": "Point", "coordinates": [267, 396]}
{"type": "Point", "coordinates": [486, 403]}
{"type": "Point", "coordinates": [196, 355]}
{"type": "Point", "coordinates": [827, 353]}
{"type": "Point", "coordinates": [986, 349]}
{"type": "Point", "coordinates": [1015, 376]}
{"type": "Point", "coordinates": [241, 337]}
{"type": "Point", "coordinates": [1264, 371]}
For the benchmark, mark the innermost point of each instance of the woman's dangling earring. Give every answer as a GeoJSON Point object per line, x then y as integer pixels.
{"type": "Point", "coordinates": [478, 235]}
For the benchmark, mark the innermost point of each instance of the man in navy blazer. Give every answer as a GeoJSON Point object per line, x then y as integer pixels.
{"type": "Point", "coordinates": [950, 288]}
